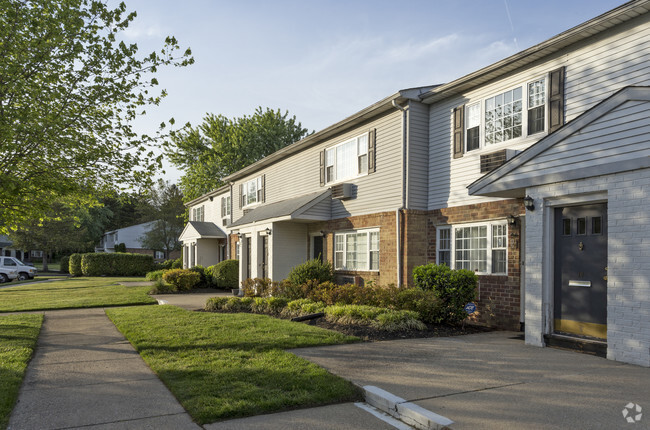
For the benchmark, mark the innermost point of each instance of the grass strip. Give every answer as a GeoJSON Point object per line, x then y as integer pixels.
{"type": "Point", "coordinates": [74, 293]}
{"type": "Point", "coordinates": [222, 366]}
{"type": "Point", "coordinates": [18, 335]}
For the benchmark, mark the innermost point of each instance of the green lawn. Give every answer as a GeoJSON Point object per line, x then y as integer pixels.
{"type": "Point", "coordinates": [223, 366]}
{"type": "Point", "coordinates": [73, 293]}
{"type": "Point", "coordinates": [18, 335]}
{"type": "Point", "coordinates": [51, 267]}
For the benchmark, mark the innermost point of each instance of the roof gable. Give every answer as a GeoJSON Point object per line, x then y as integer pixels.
{"type": "Point", "coordinates": [201, 230]}
{"type": "Point", "coordinates": [611, 137]}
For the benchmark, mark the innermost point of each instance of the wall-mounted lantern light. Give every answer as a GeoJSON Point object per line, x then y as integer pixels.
{"type": "Point", "coordinates": [268, 231]}
{"type": "Point", "coordinates": [529, 203]}
{"type": "Point", "coordinates": [512, 220]}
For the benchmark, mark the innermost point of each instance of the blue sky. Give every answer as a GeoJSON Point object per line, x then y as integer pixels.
{"type": "Point", "coordinates": [325, 60]}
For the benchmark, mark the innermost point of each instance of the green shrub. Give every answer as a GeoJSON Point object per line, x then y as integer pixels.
{"type": "Point", "coordinates": [167, 264]}
{"type": "Point", "coordinates": [398, 320]}
{"type": "Point", "coordinates": [236, 304]}
{"type": "Point", "coordinates": [311, 270]}
{"type": "Point", "coordinates": [113, 264]}
{"type": "Point", "coordinates": [160, 287]}
{"type": "Point", "coordinates": [225, 274]}
{"type": "Point", "coordinates": [453, 288]}
{"type": "Point", "coordinates": [181, 279]}
{"type": "Point", "coordinates": [120, 247]}
{"type": "Point", "coordinates": [425, 303]}
{"type": "Point", "coordinates": [64, 264]}
{"type": "Point", "coordinates": [74, 265]}
{"type": "Point", "coordinates": [216, 303]}
{"type": "Point", "coordinates": [202, 277]}
{"type": "Point", "coordinates": [156, 275]}
{"type": "Point", "coordinates": [177, 264]}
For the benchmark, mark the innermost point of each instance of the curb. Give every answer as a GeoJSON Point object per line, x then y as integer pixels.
{"type": "Point", "coordinates": [405, 411]}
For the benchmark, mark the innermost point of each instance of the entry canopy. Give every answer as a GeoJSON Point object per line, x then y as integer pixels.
{"type": "Point", "coordinates": [201, 230]}
{"type": "Point", "coordinates": [611, 137]}
{"type": "Point", "coordinates": [308, 207]}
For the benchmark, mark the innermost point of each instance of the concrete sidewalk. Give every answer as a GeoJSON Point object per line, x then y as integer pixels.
{"type": "Point", "coordinates": [85, 374]}
{"type": "Point", "coordinates": [494, 381]}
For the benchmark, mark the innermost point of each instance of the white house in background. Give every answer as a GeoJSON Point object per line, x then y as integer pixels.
{"type": "Point", "coordinates": [444, 174]}
{"type": "Point", "coordinates": [131, 237]}
{"type": "Point", "coordinates": [7, 250]}
{"type": "Point", "coordinates": [205, 241]}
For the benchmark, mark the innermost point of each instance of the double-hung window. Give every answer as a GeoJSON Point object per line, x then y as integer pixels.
{"type": "Point", "coordinates": [356, 250]}
{"type": "Point", "coordinates": [347, 160]}
{"type": "Point", "coordinates": [225, 206]}
{"type": "Point", "coordinates": [197, 214]}
{"type": "Point", "coordinates": [252, 191]}
{"type": "Point", "coordinates": [481, 247]}
{"type": "Point", "coordinates": [508, 115]}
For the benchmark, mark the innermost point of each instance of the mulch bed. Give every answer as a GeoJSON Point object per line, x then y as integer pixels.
{"type": "Point", "coordinates": [370, 334]}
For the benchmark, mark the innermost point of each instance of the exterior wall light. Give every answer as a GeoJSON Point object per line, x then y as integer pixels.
{"type": "Point", "coordinates": [268, 231]}
{"type": "Point", "coordinates": [529, 203]}
{"type": "Point", "coordinates": [512, 220]}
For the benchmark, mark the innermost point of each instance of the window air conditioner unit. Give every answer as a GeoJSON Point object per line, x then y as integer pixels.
{"type": "Point", "coordinates": [224, 222]}
{"type": "Point", "coordinates": [342, 191]}
{"type": "Point", "coordinates": [493, 160]}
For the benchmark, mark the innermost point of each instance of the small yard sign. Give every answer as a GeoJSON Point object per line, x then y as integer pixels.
{"type": "Point", "coordinates": [470, 308]}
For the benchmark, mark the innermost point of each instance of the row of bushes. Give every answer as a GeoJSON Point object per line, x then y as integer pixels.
{"type": "Point", "coordinates": [110, 264]}
{"type": "Point", "coordinates": [383, 318]}
{"type": "Point", "coordinates": [222, 275]}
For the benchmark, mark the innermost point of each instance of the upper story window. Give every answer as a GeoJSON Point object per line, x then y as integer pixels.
{"type": "Point", "coordinates": [517, 112]}
{"type": "Point", "coordinates": [225, 206]}
{"type": "Point", "coordinates": [198, 214]}
{"type": "Point", "coordinates": [347, 160]}
{"type": "Point", "coordinates": [479, 247]}
{"type": "Point", "coordinates": [252, 191]}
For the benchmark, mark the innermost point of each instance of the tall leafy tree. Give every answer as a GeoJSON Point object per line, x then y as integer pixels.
{"type": "Point", "coordinates": [167, 203]}
{"type": "Point", "coordinates": [69, 89]}
{"type": "Point", "coordinates": [221, 146]}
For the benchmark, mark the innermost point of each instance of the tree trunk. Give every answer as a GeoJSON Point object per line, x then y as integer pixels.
{"type": "Point", "coordinates": [44, 261]}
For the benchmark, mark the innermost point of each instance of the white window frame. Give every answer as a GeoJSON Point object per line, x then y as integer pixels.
{"type": "Point", "coordinates": [369, 250]}
{"type": "Point", "coordinates": [259, 189]}
{"type": "Point", "coordinates": [228, 207]}
{"type": "Point", "coordinates": [159, 255]}
{"type": "Point", "coordinates": [489, 247]}
{"type": "Point", "coordinates": [331, 155]}
{"type": "Point", "coordinates": [524, 116]}
{"type": "Point", "coordinates": [198, 214]}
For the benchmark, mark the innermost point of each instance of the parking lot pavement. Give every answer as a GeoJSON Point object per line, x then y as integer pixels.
{"type": "Point", "coordinates": [494, 381]}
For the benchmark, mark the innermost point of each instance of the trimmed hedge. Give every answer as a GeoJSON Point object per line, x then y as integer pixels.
{"type": "Point", "coordinates": [64, 264]}
{"type": "Point", "coordinates": [115, 264]}
{"type": "Point", "coordinates": [225, 274]}
{"type": "Point", "coordinates": [74, 265]}
{"type": "Point", "coordinates": [311, 270]}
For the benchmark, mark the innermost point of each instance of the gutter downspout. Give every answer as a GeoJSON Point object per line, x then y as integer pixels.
{"type": "Point", "coordinates": [404, 191]}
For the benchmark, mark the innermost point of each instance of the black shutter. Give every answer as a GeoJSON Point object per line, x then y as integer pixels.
{"type": "Point", "coordinates": [555, 99]}
{"type": "Point", "coordinates": [241, 199]}
{"type": "Point", "coordinates": [459, 128]}
{"type": "Point", "coordinates": [223, 207]}
{"type": "Point", "coordinates": [372, 150]}
{"type": "Point", "coordinates": [322, 167]}
{"type": "Point", "coordinates": [263, 188]}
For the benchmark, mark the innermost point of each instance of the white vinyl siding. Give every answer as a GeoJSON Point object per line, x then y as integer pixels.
{"type": "Point", "coordinates": [299, 174]}
{"type": "Point", "coordinates": [481, 247]}
{"type": "Point", "coordinates": [418, 156]}
{"type": "Point", "coordinates": [593, 72]}
{"type": "Point", "coordinates": [356, 250]}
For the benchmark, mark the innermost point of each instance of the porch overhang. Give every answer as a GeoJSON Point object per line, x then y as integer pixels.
{"type": "Point", "coordinates": [306, 208]}
{"type": "Point", "coordinates": [195, 230]}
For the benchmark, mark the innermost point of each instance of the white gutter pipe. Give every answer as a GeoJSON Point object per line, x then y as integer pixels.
{"type": "Point", "coordinates": [404, 191]}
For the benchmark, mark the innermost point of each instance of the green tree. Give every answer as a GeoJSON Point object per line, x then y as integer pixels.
{"type": "Point", "coordinates": [70, 88]}
{"type": "Point", "coordinates": [221, 146]}
{"type": "Point", "coordinates": [167, 214]}
{"type": "Point", "coordinates": [65, 229]}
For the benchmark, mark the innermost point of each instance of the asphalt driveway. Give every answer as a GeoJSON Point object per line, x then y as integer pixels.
{"type": "Point", "coordinates": [495, 381]}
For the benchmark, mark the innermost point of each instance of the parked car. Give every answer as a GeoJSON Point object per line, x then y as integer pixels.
{"type": "Point", "coordinates": [24, 271]}
{"type": "Point", "coordinates": [7, 275]}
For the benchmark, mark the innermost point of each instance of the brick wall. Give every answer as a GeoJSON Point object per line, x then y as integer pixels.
{"type": "Point", "coordinates": [498, 296]}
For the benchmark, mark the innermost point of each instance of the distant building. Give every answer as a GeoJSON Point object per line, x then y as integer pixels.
{"type": "Point", "coordinates": [131, 237]}
{"type": "Point", "coordinates": [7, 250]}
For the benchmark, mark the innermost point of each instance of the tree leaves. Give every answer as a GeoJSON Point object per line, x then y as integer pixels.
{"type": "Point", "coordinates": [220, 146]}
{"type": "Point", "coordinates": [69, 87]}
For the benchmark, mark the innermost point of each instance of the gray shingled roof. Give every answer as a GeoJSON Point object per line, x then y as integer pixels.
{"type": "Point", "coordinates": [279, 209]}
{"type": "Point", "coordinates": [207, 229]}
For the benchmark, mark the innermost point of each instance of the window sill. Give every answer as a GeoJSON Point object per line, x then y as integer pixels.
{"type": "Point", "coordinates": [504, 145]}
{"type": "Point", "coordinates": [341, 181]}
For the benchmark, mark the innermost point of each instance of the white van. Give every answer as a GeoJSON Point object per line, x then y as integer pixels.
{"type": "Point", "coordinates": [7, 275]}
{"type": "Point", "coordinates": [24, 271]}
